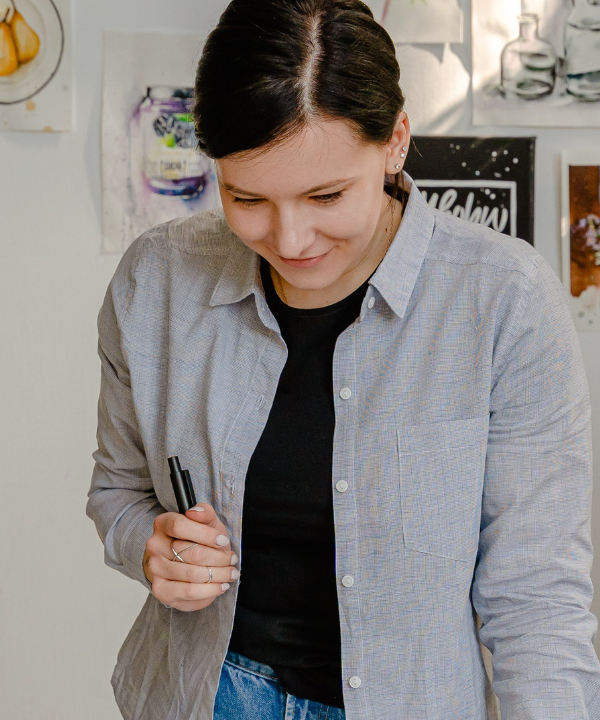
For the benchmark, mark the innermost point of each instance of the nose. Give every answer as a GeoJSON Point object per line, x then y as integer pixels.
{"type": "Point", "coordinates": [291, 235]}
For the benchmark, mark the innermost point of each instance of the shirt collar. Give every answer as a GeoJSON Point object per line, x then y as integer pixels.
{"type": "Point", "coordinates": [240, 276]}
{"type": "Point", "coordinates": [395, 278]}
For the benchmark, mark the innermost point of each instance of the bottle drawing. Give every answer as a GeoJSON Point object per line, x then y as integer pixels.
{"type": "Point", "coordinates": [582, 49]}
{"type": "Point", "coordinates": [528, 64]}
{"type": "Point", "coordinates": [172, 164]}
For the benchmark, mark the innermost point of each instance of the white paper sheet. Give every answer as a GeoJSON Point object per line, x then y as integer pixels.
{"type": "Point", "coordinates": [35, 65]}
{"type": "Point", "coordinates": [131, 204]}
{"type": "Point", "coordinates": [420, 21]}
{"type": "Point", "coordinates": [436, 85]}
{"type": "Point", "coordinates": [495, 24]}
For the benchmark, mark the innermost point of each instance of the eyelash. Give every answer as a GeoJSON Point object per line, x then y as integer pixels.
{"type": "Point", "coordinates": [330, 198]}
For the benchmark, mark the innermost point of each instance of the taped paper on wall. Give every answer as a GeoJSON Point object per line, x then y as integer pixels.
{"type": "Point", "coordinates": [151, 169]}
{"type": "Point", "coordinates": [581, 236]}
{"type": "Point", "coordinates": [35, 65]}
{"type": "Point", "coordinates": [536, 63]}
{"type": "Point", "coordinates": [420, 21]}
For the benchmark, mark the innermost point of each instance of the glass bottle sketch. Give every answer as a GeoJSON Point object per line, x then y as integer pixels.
{"type": "Point", "coordinates": [528, 64]}
{"type": "Point", "coordinates": [172, 165]}
{"type": "Point", "coordinates": [582, 48]}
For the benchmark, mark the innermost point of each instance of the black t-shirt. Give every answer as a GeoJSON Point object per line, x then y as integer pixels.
{"type": "Point", "coordinates": [287, 612]}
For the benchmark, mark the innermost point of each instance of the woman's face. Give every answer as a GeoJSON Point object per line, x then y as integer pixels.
{"type": "Point", "coordinates": [314, 206]}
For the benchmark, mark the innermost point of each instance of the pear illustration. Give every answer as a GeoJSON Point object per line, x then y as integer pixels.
{"type": "Point", "coordinates": [9, 60]}
{"type": "Point", "coordinates": [26, 39]}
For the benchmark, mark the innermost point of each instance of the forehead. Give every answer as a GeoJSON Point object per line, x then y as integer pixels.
{"type": "Point", "coordinates": [319, 153]}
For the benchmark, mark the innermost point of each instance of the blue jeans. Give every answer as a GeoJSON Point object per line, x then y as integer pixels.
{"type": "Point", "coordinates": [249, 690]}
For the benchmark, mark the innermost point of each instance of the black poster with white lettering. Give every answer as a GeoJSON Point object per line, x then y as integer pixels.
{"type": "Point", "coordinates": [489, 181]}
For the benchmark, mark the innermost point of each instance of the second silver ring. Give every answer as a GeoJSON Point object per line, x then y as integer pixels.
{"type": "Point", "coordinates": [209, 574]}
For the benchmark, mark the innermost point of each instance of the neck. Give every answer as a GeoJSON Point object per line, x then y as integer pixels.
{"type": "Point", "coordinates": [529, 30]}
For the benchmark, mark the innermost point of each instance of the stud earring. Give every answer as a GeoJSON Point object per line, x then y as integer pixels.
{"type": "Point", "coordinates": [405, 149]}
{"type": "Point", "coordinates": [397, 167]}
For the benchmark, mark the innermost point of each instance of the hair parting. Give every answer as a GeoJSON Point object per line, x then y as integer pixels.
{"type": "Point", "coordinates": [270, 67]}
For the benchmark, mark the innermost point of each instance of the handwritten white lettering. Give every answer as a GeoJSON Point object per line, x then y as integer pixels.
{"type": "Point", "coordinates": [489, 217]}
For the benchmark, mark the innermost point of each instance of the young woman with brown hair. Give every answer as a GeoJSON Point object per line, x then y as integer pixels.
{"type": "Point", "coordinates": [392, 400]}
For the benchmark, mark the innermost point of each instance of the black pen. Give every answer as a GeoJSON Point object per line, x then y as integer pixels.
{"type": "Point", "coordinates": [182, 485]}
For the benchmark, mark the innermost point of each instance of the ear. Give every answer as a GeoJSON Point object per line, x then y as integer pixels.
{"type": "Point", "coordinates": [397, 148]}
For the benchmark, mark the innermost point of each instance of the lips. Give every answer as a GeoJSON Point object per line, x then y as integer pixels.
{"type": "Point", "coordinates": [307, 263]}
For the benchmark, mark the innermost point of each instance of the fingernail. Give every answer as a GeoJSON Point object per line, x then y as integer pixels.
{"type": "Point", "coordinates": [225, 586]}
{"type": "Point", "coordinates": [234, 560]}
{"type": "Point", "coordinates": [235, 574]}
{"type": "Point", "coordinates": [222, 540]}
{"type": "Point", "coordinates": [197, 508]}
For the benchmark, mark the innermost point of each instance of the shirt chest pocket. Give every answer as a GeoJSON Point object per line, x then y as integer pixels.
{"type": "Point", "coordinates": [442, 467]}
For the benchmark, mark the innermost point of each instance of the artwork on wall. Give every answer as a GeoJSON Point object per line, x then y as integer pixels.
{"type": "Point", "coordinates": [420, 21]}
{"type": "Point", "coordinates": [35, 65]}
{"type": "Point", "coordinates": [489, 181]}
{"type": "Point", "coordinates": [536, 63]}
{"type": "Point", "coordinates": [581, 236]}
{"type": "Point", "coordinates": [151, 169]}
{"type": "Point", "coordinates": [435, 83]}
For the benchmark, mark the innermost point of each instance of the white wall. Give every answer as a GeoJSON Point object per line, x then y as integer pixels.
{"type": "Point", "coordinates": [63, 614]}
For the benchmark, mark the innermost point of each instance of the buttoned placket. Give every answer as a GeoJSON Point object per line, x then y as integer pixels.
{"type": "Point", "coordinates": [250, 423]}
{"type": "Point", "coordinates": [345, 501]}
{"type": "Point", "coordinates": [255, 409]}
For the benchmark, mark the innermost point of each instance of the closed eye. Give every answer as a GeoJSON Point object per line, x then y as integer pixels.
{"type": "Point", "coordinates": [328, 198]}
{"type": "Point", "coordinates": [321, 199]}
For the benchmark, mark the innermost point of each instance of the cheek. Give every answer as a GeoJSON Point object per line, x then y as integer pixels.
{"type": "Point", "coordinates": [356, 221]}
{"type": "Point", "coordinates": [353, 219]}
{"type": "Point", "coordinates": [250, 225]}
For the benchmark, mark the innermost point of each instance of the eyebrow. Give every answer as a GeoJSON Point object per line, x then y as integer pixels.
{"type": "Point", "coordinates": [333, 183]}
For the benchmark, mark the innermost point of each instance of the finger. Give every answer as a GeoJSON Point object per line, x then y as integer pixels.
{"type": "Point", "coordinates": [172, 591]}
{"type": "Point", "coordinates": [159, 545]}
{"type": "Point", "coordinates": [180, 527]}
{"type": "Point", "coordinates": [191, 605]}
{"type": "Point", "coordinates": [188, 605]}
{"type": "Point", "coordinates": [205, 513]}
{"type": "Point", "coordinates": [184, 572]}
{"type": "Point", "coordinates": [202, 555]}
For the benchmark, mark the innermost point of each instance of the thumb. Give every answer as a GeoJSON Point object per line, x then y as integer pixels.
{"type": "Point", "coordinates": [205, 513]}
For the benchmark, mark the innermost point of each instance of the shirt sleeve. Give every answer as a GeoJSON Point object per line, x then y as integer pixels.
{"type": "Point", "coordinates": [532, 587]}
{"type": "Point", "coordinates": [121, 500]}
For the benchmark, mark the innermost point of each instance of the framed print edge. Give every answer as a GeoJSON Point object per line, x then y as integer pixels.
{"type": "Point", "coordinates": [585, 312]}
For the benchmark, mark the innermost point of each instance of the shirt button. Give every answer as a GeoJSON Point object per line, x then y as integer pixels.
{"type": "Point", "coordinates": [345, 393]}
{"type": "Point", "coordinates": [341, 486]}
{"type": "Point", "coordinates": [347, 581]}
{"type": "Point", "coordinates": [355, 681]}
{"type": "Point", "coordinates": [371, 303]}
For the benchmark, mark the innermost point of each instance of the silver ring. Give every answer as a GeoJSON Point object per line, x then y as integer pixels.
{"type": "Point", "coordinates": [189, 547]}
{"type": "Point", "coordinates": [209, 574]}
{"type": "Point", "coordinates": [178, 554]}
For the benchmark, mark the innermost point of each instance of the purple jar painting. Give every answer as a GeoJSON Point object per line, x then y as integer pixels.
{"type": "Point", "coordinates": [171, 163]}
{"type": "Point", "coordinates": [152, 168]}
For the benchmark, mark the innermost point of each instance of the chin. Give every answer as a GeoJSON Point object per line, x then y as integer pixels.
{"type": "Point", "coordinates": [310, 279]}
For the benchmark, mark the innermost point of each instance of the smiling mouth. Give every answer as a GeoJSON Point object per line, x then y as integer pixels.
{"type": "Point", "coordinates": [302, 261]}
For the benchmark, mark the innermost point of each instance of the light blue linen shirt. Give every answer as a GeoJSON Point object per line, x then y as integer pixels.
{"type": "Point", "coordinates": [461, 472]}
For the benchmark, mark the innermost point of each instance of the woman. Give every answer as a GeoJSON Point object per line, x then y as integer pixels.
{"type": "Point", "coordinates": [393, 400]}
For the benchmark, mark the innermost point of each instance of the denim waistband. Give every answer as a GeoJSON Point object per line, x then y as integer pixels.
{"type": "Point", "coordinates": [242, 661]}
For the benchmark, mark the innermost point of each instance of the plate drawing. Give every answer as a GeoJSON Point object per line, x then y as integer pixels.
{"type": "Point", "coordinates": [44, 20]}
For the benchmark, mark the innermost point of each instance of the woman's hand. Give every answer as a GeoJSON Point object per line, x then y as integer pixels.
{"type": "Point", "coordinates": [184, 585]}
